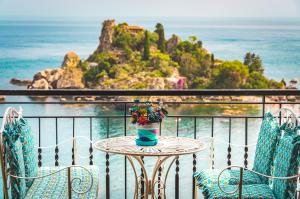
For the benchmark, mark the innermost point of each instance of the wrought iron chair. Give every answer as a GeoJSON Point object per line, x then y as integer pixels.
{"type": "Point", "coordinates": [22, 176]}
{"type": "Point", "coordinates": [269, 136]}
{"type": "Point", "coordinates": [284, 178]}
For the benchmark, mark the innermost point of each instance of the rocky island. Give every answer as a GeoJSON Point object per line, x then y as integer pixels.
{"type": "Point", "coordinates": [131, 57]}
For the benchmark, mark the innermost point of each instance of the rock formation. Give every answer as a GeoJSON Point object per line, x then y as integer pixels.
{"type": "Point", "coordinates": [70, 79]}
{"type": "Point", "coordinates": [68, 76]}
{"type": "Point", "coordinates": [40, 84]}
{"type": "Point", "coordinates": [71, 59]}
{"type": "Point", "coordinates": [106, 37]}
{"type": "Point", "coordinates": [20, 82]}
{"type": "Point", "coordinates": [172, 43]}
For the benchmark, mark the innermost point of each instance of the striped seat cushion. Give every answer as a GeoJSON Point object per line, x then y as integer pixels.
{"type": "Point", "coordinates": [255, 191]}
{"type": "Point", "coordinates": [56, 186]}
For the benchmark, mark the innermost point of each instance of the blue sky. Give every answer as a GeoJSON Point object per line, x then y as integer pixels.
{"type": "Point", "coordinates": [115, 8]}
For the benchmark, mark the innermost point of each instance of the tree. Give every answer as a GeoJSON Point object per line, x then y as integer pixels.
{"type": "Point", "coordinates": [199, 44]}
{"type": "Point", "coordinates": [212, 60]}
{"type": "Point", "coordinates": [146, 54]}
{"type": "Point", "coordinates": [161, 43]}
{"type": "Point", "coordinates": [193, 39]}
{"type": "Point", "coordinates": [230, 74]}
{"type": "Point", "coordinates": [247, 59]}
{"type": "Point", "coordinates": [253, 62]}
{"type": "Point", "coordinates": [256, 80]}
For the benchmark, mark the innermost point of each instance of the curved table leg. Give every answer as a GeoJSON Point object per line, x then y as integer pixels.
{"type": "Point", "coordinates": [139, 179]}
{"type": "Point", "coordinates": [136, 178]}
{"type": "Point", "coordinates": [163, 178]}
{"type": "Point", "coordinates": [150, 184]}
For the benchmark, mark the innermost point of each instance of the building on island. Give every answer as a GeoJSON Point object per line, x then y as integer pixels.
{"type": "Point", "coordinates": [134, 29]}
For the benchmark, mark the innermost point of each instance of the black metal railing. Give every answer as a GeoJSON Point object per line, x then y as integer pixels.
{"type": "Point", "coordinates": [263, 102]}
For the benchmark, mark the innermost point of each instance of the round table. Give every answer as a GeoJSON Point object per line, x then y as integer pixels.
{"type": "Point", "coordinates": [167, 148]}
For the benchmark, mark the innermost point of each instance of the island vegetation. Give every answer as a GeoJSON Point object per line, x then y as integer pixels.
{"type": "Point", "coordinates": [131, 57]}
{"type": "Point", "coordinates": [138, 52]}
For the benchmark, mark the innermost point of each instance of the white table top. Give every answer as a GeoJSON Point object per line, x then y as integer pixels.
{"type": "Point", "coordinates": [166, 146]}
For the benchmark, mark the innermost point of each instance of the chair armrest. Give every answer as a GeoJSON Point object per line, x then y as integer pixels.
{"type": "Point", "coordinates": [70, 180]}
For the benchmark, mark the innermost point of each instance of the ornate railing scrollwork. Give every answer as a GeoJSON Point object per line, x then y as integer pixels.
{"type": "Point", "coordinates": [75, 181]}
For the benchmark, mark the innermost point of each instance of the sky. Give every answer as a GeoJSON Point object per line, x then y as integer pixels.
{"type": "Point", "coordinates": [152, 8]}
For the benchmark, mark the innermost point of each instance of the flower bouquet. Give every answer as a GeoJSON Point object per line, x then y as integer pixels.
{"type": "Point", "coordinates": [147, 117]}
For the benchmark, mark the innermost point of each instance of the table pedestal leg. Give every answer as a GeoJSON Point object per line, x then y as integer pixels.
{"type": "Point", "coordinates": [150, 183]}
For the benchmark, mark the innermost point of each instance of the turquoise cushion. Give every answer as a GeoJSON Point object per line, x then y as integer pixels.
{"type": "Point", "coordinates": [266, 144]}
{"type": "Point", "coordinates": [255, 191]}
{"type": "Point", "coordinates": [286, 164]}
{"type": "Point", "coordinates": [15, 160]}
{"type": "Point", "coordinates": [56, 186]}
{"type": "Point", "coordinates": [209, 177]}
{"type": "Point", "coordinates": [29, 154]}
{"type": "Point", "coordinates": [267, 141]}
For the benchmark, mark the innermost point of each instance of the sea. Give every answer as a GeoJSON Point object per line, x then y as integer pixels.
{"type": "Point", "coordinates": [31, 45]}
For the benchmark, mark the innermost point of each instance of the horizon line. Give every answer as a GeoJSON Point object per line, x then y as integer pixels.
{"type": "Point", "coordinates": [41, 17]}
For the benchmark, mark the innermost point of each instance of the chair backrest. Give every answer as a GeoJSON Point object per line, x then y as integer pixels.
{"type": "Point", "coordinates": [14, 158]}
{"type": "Point", "coordinates": [286, 164]}
{"type": "Point", "coordinates": [17, 142]}
{"type": "Point", "coordinates": [266, 144]}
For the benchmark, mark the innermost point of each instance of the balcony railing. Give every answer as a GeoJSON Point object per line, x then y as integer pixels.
{"type": "Point", "coordinates": [227, 120]}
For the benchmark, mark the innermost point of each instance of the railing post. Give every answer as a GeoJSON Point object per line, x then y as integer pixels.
{"type": "Point", "coordinates": [264, 105]}
{"type": "Point", "coordinates": [107, 164]}
{"type": "Point", "coordinates": [74, 151]}
{"type": "Point", "coordinates": [212, 147]}
{"type": "Point", "coordinates": [246, 143]}
{"type": "Point", "coordinates": [125, 159]}
{"type": "Point", "coordinates": [56, 142]}
{"type": "Point", "coordinates": [107, 177]}
{"type": "Point", "coordinates": [194, 158]}
{"type": "Point", "coordinates": [280, 115]}
{"type": "Point", "coordinates": [91, 139]}
{"type": "Point", "coordinates": [177, 178]}
{"type": "Point", "coordinates": [39, 149]}
{"type": "Point", "coordinates": [194, 171]}
{"type": "Point", "coordinates": [160, 128]}
{"type": "Point", "coordinates": [229, 145]}
{"type": "Point", "coordinates": [73, 142]}
{"type": "Point", "coordinates": [177, 165]}
{"type": "Point", "coordinates": [177, 126]}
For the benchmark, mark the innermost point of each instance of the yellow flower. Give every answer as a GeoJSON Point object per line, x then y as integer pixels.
{"type": "Point", "coordinates": [143, 111]}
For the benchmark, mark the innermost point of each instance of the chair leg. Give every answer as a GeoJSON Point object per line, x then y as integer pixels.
{"type": "Point", "coordinates": [195, 191]}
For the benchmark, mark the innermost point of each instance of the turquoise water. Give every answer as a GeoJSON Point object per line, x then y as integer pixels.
{"type": "Point", "coordinates": [30, 46]}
